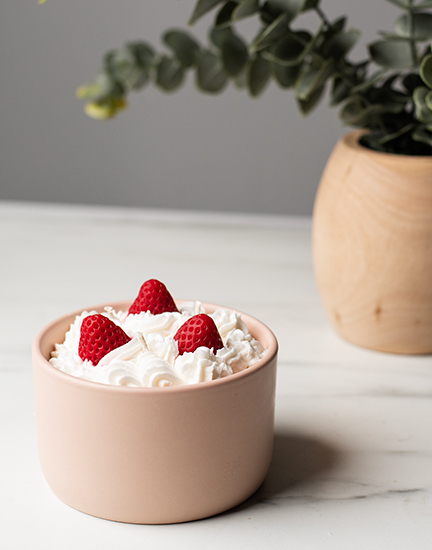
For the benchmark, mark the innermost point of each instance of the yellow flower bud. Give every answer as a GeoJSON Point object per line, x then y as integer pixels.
{"type": "Point", "coordinates": [87, 91]}
{"type": "Point", "coordinates": [103, 110]}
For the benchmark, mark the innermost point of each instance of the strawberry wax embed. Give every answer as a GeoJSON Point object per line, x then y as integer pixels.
{"type": "Point", "coordinates": [156, 343]}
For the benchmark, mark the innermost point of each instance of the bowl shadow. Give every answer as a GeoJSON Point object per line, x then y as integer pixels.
{"type": "Point", "coordinates": [297, 459]}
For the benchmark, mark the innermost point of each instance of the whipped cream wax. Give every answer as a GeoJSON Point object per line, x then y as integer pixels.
{"type": "Point", "coordinates": [151, 357]}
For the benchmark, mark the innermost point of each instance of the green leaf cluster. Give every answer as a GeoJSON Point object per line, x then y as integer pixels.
{"type": "Point", "coordinates": [388, 94]}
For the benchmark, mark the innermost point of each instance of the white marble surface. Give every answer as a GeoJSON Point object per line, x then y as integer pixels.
{"type": "Point", "coordinates": [352, 465]}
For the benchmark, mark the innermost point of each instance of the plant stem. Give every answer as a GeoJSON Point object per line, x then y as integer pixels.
{"type": "Point", "coordinates": [414, 53]}
{"type": "Point", "coordinates": [322, 16]}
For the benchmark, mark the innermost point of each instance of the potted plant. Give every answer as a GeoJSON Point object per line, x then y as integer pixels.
{"type": "Point", "coordinates": [372, 223]}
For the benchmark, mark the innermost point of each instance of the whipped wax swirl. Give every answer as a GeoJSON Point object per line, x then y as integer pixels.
{"type": "Point", "coordinates": [151, 357]}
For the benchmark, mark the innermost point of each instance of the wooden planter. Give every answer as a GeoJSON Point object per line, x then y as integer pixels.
{"type": "Point", "coordinates": [372, 247]}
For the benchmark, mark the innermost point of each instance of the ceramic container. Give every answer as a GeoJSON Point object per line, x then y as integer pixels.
{"type": "Point", "coordinates": [154, 455]}
{"type": "Point", "coordinates": [372, 243]}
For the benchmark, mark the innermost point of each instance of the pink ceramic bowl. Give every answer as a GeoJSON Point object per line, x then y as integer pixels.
{"type": "Point", "coordinates": [154, 455]}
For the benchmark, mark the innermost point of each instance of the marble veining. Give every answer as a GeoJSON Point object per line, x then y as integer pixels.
{"type": "Point", "coordinates": [352, 462]}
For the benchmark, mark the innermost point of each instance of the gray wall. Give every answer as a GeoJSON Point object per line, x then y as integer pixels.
{"type": "Point", "coordinates": [187, 150]}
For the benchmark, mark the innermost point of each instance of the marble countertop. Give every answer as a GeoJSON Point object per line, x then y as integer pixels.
{"type": "Point", "coordinates": [352, 464]}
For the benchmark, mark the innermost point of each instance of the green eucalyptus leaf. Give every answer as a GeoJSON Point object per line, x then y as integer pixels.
{"type": "Point", "coordinates": [340, 91]}
{"type": "Point", "coordinates": [286, 6]}
{"type": "Point", "coordinates": [142, 52]}
{"type": "Point", "coordinates": [282, 55]}
{"type": "Point", "coordinates": [392, 101]}
{"type": "Point", "coordinates": [419, 96]}
{"type": "Point", "coordinates": [119, 64]}
{"type": "Point", "coordinates": [397, 133]}
{"type": "Point", "coordinates": [391, 106]}
{"type": "Point", "coordinates": [428, 100]}
{"type": "Point", "coordinates": [340, 44]}
{"type": "Point", "coordinates": [310, 5]}
{"type": "Point", "coordinates": [218, 35]}
{"type": "Point", "coordinates": [272, 9]}
{"type": "Point", "coordinates": [288, 49]}
{"type": "Point", "coordinates": [371, 81]}
{"type": "Point", "coordinates": [225, 15]}
{"type": "Point", "coordinates": [129, 67]}
{"type": "Point", "coordinates": [354, 113]}
{"type": "Point", "coordinates": [426, 70]}
{"type": "Point", "coordinates": [258, 76]}
{"type": "Point", "coordinates": [202, 7]}
{"type": "Point", "coordinates": [109, 86]}
{"type": "Point", "coordinates": [185, 48]}
{"type": "Point", "coordinates": [138, 79]}
{"type": "Point", "coordinates": [307, 105]}
{"type": "Point", "coordinates": [339, 25]}
{"type": "Point", "coordinates": [122, 66]}
{"type": "Point", "coordinates": [423, 135]}
{"type": "Point", "coordinates": [415, 26]}
{"type": "Point", "coordinates": [392, 54]}
{"type": "Point", "coordinates": [422, 111]}
{"type": "Point", "coordinates": [391, 36]}
{"type": "Point", "coordinates": [312, 79]}
{"type": "Point", "coordinates": [269, 12]}
{"type": "Point", "coordinates": [234, 54]}
{"type": "Point", "coordinates": [293, 7]}
{"type": "Point", "coordinates": [104, 86]}
{"type": "Point", "coordinates": [271, 34]}
{"type": "Point", "coordinates": [405, 4]}
{"type": "Point", "coordinates": [117, 57]}
{"type": "Point", "coordinates": [312, 43]}
{"type": "Point", "coordinates": [394, 107]}
{"type": "Point", "coordinates": [285, 75]}
{"type": "Point", "coordinates": [210, 76]}
{"type": "Point", "coordinates": [169, 73]}
{"type": "Point", "coordinates": [246, 8]}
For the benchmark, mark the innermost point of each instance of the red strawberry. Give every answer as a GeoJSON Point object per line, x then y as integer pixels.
{"type": "Point", "coordinates": [199, 330]}
{"type": "Point", "coordinates": [154, 297]}
{"type": "Point", "coordinates": [99, 336]}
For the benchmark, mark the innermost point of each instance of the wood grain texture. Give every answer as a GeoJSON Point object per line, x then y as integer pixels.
{"type": "Point", "coordinates": [372, 247]}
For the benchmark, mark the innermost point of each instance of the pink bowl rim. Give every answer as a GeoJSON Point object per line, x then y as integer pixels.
{"type": "Point", "coordinates": [42, 362]}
